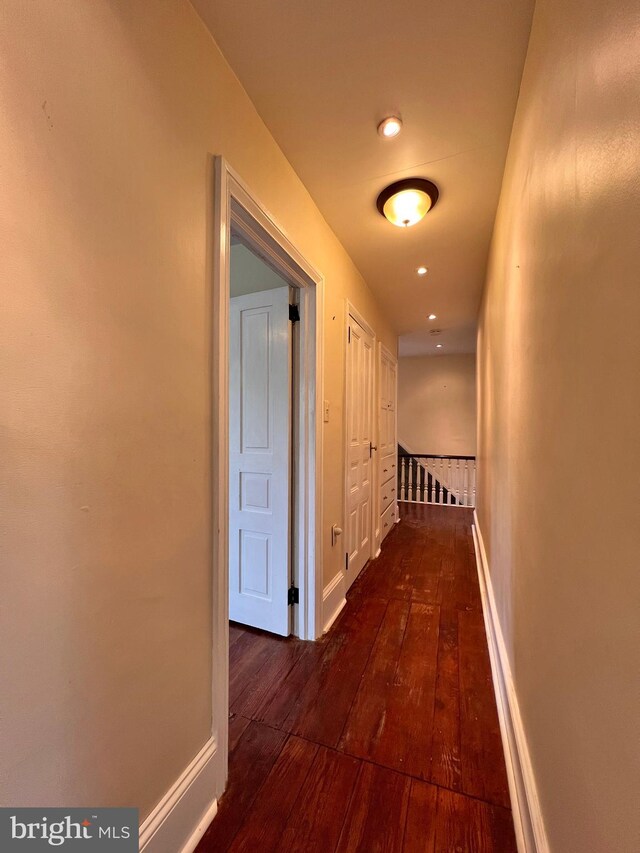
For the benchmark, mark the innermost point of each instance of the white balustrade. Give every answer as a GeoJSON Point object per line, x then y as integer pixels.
{"type": "Point", "coordinates": [426, 478]}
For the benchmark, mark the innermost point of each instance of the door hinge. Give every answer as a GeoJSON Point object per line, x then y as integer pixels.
{"type": "Point", "coordinates": [294, 314]}
{"type": "Point", "coordinates": [349, 334]}
{"type": "Point", "coordinates": [346, 561]}
{"type": "Point", "coordinates": [293, 596]}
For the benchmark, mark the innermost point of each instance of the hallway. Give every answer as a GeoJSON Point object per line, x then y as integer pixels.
{"type": "Point", "coordinates": [382, 736]}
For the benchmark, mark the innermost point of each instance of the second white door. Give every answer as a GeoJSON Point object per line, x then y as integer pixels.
{"type": "Point", "coordinates": [259, 459]}
{"type": "Point", "coordinates": [360, 448]}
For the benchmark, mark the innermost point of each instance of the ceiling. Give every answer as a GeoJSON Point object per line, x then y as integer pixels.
{"type": "Point", "coordinates": [322, 75]}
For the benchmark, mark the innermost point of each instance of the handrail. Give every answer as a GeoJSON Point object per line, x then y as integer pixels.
{"type": "Point", "coordinates": [435, 456]}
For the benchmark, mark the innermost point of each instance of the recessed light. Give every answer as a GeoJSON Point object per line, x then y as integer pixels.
{"type": "Point", "coordinates": [403, 203]}
{"type": "Point", "coordinates": [422, 270]}
{"type": "Point", "coordinates": [432, 317]}
{"type": "Point", "coordinates": [390, 127]}
{"type": "Point", "coordinates": [438, 346]}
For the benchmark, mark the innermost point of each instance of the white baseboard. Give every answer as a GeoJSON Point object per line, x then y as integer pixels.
{"type": "Point", "coordinates": [525, 804]}
{"type": "Point", "coordinates": [182, 816]}
{"type": "Point", "coordinates": [333, 600]}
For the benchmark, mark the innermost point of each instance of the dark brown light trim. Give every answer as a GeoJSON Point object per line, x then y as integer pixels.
{"type": "Point", "coordinates": [421, 184]}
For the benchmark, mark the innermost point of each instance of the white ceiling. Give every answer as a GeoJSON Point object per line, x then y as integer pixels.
{"type": "Point", "coordinates": [323, 74]}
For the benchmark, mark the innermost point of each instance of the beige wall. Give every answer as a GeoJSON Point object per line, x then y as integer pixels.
{"type": "Point", "coordinates": [111, 112]}
{"type": "Point", "coordinates": [559, 380]}
{"type": "Point", "coordinates": [437, 404]}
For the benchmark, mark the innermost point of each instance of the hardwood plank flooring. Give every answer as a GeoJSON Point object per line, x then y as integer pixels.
{"type": "Point", "coordinates": [377, 812]}
{"type": "Point", "coordinates": [404, 740]}
{"type": "Point", "coordinates": [481, 744]}
{"type": "Point", "coordinates": [420, 828]}
{"type": "Point", "coordinates": [446, 768]}
{"type": "Point", "coordinates": [463, 823]}
{"type": "Point", "coordinates": [254, 755]}
{"type": "Point", "coordinates": [367, 717]}
{"type": "Point", "coordinates": [383, 736]}
{"type": "Point", "coordinates": [322, 806]}
{"type": "Point", "coordinates": [321, 709]}
{"type": "Point", "coordinates": [279, 657]}
{"type": "Point", "coordinates": [274, 803]}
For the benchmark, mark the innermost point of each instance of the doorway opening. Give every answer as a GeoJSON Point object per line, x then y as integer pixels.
{"type": "Point", "coordinates": [267, 447]}
{"type": "Point", "coordinates": [263, 315]}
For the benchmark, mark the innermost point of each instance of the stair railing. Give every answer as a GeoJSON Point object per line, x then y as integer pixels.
{"type": "Point", "coordinates": [436, 479]}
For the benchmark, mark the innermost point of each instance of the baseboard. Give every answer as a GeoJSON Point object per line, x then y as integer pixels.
{"type": "Point", "coordinates": [525, 804]}
{"type": "Point", "coordinates": [182, 816]}
{"type": "Point", "coordinates": [333, 600]}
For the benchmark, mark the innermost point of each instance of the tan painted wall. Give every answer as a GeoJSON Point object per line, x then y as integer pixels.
{"type": "Point", "coordinates": [559, 380]}
{"type": "Point", "coordinates": [111, 112]}
{"type": "Point", "coordinates": [437, 404]}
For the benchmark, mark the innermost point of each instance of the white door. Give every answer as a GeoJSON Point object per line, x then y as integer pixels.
{"type": "Point", "coordinates": [259, 459]}
{"type": "Point", "coordinates": [384, 432]}
{"type": "Point", "coordinates": [359, 447]}
{"type": "Point", "coordinates": [387, 417]}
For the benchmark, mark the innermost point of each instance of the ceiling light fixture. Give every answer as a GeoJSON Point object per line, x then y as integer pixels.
{"type": "Point", "coordinates": [438, 346]}
{"type": "Point", "coordinates": [432, 317]}
{"type": "Point", "coordinates": [390, 127]}
{"type": "Point", "coordinates": [422, 270]}
{"type": "Point", "coordinates": [405, 202]}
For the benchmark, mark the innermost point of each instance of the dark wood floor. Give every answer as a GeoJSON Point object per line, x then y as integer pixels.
{"type": "Point", "coordinates": [382, 736]}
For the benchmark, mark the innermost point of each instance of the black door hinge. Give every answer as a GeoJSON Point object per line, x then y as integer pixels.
{"type": "Point", "coordinates": [346, 561]}
{"type": "Point", "coordinates": [293, 596]}
{"type": "Point", "coordinates": [349, 334]}
{"type": "Point", "coordinates": [294, 314]}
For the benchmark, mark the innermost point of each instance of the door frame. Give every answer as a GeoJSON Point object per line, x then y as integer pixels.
{"type": "Point", "coordinates": [235, 204]}
{"type": "Point", "coordinates": [352, 312]}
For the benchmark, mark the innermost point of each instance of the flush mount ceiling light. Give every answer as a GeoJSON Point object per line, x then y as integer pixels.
{"type": "Point", "coordinates": [438, 346]}
{"type": "Point", "coordinates": [390, 127]}
{"type": "Point", "coordinates": [432, 317]}
{"type": "Point", "coordinates": [422, 270]}
{"type": "Point", "coordinates": [405, 202]}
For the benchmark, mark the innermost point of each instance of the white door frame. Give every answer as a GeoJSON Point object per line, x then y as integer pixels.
{"type": "Point", "coordinates": [235, 204]}
{"type": "Point", "coordinates": [352, 311]}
